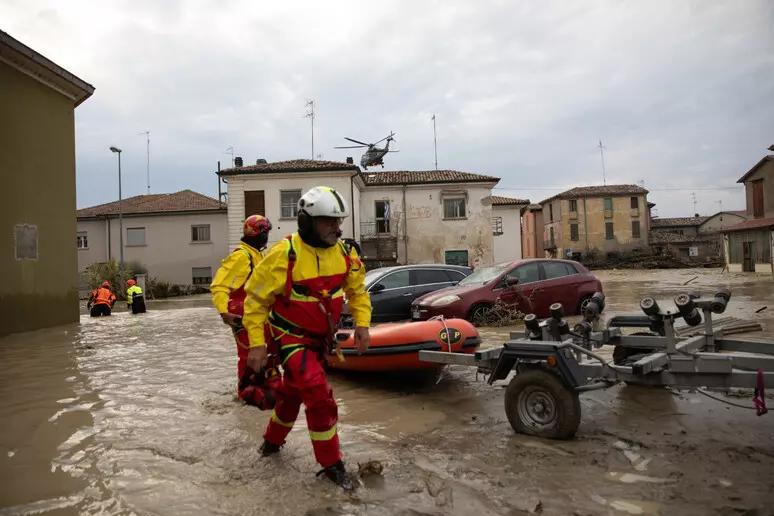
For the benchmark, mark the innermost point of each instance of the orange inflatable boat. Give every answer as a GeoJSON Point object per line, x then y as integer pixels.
{"type": "Point", "coordinates": [396, 346]}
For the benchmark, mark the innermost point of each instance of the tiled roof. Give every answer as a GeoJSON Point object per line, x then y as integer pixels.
{"type": "Point", "coordinates": [416, 177]}
{"type": "Point", "coordinates": [678, 221]}
{"type": "Point", "coordinates": [183, 201]}
{"type": "Point", "coordinates": [598, 191]}
{"type": "Point", "coordinates": [294, 165]}
{"type": "Point", "coordinates": [750, 224]}
{"type": "Point", "coordinates": [758, 165]}
{"type": "Point", "coordinates": [506, 201]}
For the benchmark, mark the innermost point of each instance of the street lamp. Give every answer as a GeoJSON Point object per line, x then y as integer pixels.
{"type": "Point", "coordinates": [120, 208]}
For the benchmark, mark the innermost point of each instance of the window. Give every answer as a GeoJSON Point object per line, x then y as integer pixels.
{"type": "Point", "coordinates": [201, 275]}
{"type": "Point", "coordinates": [757, 194]}
{"type": "Point", "coordinates": [382, 216]}
{"type": "Point", "coordinates": [289, 203]}
{"type": "Point", "coordinates": [557, 270]}
{"type": "Point", "coordinates": [635, 229]}
{"type": "Point", "coordinates": [429, 276]}
{"type": "Point", "coordinates": [26, 240]}
{"type": "Point", "coordinates": [135, 236]}
{"type": "Point", "coordinates": [608, 201]}
{"type": "Point", "coordinates": [635, 203]}
{"type": "Point", "coordinates": [255, 203]}
{"type": "Point", "coordinates": [574, 232]}
{"type": "Point", "coordinates": [454, 209]}
{"type": "Point", "coordinates": [609, 231]}
{"type": "Point", "coordinates": [497, 226]}
{"type": "Point", "coordinates": [550, 213]}
{"type": "Point", "coordinates": [551, 235]}
{"type": "Point", "coordinates": [573, 205]}
{"type": "Point", "coordinates": [200, 233]}
{"type": "Point", "coordinates": [454, 276]}
{"type": "Point", "coordinates": [456, 258]}
{"type": "Point", "coordinates": [82, 240]}
{"type": "Point", "coordinates": [399, 279]}
{"type": "Point", "coordinates": [526, 273]}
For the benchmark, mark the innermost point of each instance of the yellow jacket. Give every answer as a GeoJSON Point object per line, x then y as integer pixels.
{"type": "Point", "coordinates": [232, 274]}
{"type": "Point", "coordinates": [269, 279]}
{"type": "Point", "coordinates": [131, 291]}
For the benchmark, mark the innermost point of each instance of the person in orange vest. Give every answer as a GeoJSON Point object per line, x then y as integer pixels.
{"type": "Point", "coordinates": [101, 300]}
{"type": "Point", "coordinates": [228, 296]}
{"type": "Point", "coordinates": [298, 289]}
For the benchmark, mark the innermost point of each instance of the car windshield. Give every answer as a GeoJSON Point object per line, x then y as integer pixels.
{"type": "Point", "coordinates": [484, 274]}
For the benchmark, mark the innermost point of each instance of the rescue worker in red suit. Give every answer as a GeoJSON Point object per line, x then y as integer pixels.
{"type": "Point", "coordinates": [298, 289]}
{"type": "Point", "coordinates": [228, 291]}
{"type": "Point", "coordinates": [101, 300]}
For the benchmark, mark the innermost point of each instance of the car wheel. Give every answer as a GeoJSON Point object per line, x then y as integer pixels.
{"type": "Point", "coordinates": [582, 304]}
{"type": "Point", "coordinates": [479, 315]}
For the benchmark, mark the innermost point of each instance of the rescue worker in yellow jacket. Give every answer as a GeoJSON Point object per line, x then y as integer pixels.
{"type": "Point", "coordinates": [227, 286]}
{"type": "Point", "coordinates": [299, 290]}
{"type": "Point", "coordinates": [135, 300]}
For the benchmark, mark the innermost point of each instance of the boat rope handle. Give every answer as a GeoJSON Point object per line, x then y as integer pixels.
{"type": "Point", "coordinates": [448, 337]}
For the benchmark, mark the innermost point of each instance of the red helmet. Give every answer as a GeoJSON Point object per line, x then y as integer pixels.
{"type": "Point", "coordinates": [105, 284]}
{"type": "Point", "coordinates": [131, 282]}
{"type": "Point", "coordinates": [255, 225]}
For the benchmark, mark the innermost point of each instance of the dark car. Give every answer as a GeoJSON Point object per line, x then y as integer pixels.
{"type": "Point", "coordinates": [531, 286]}
{"type": "Point", "coordinates": [392, 289]}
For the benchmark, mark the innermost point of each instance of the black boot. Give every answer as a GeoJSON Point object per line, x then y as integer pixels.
{"type": "Point", "coordinates": [268, 448]}
{"type": "Point", "coordinates": [339, 476]}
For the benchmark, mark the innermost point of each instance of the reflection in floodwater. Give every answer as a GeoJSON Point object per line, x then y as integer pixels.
{"type": "Point", "coordinates": [138, 414]}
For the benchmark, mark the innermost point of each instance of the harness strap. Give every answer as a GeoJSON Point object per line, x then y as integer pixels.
{"type": "Point", "coordinates": [291, 264]}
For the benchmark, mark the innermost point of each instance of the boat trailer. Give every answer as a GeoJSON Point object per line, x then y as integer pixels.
{"type": "Point", "coordinates": [553, 364]}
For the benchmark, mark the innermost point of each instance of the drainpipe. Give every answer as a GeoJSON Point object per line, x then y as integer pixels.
{"type": "Point", "coordinates": [585, 225]}
{"type": "Point", "coordinates": [405, 226]}
{"type": "Point", "coordinates": [352, 200]}
{"type": "Point", "coordinates": [107, 220]}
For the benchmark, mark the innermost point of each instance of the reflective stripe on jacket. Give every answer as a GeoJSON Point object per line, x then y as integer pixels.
{"type": "Point", "coordinates": [315, 270]}
{"type": "Point", "coordinates": [232, 274]}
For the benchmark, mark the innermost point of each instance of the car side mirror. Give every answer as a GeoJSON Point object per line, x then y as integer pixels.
{"type": "Point", "coordinates": [377, 288]}
{"type": "Point", "coordinates": [511, 282]}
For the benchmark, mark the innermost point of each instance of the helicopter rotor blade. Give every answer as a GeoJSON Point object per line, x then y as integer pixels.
{"type": "Point", "coordinates": [390, 136]}
{"type": "Point", "coordinates": [361, 143]}
{"type": "Point", "coordinates": [352, 147]}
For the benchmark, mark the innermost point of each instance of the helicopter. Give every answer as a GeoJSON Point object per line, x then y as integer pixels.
{"type": "Point", "coordinates": [373, 156]}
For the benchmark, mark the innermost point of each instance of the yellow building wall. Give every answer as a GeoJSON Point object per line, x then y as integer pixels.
{"type": "Point", "coordinates": [37, 165]}
{"type": "Point", "coordinates": [591, 218]}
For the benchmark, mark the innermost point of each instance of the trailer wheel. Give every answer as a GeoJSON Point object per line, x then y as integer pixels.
{"type": "Point", "coordinates": [538, 403]}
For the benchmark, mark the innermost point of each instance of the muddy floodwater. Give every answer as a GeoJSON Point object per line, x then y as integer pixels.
{"type": "Point", "coordinates": [137, 415]}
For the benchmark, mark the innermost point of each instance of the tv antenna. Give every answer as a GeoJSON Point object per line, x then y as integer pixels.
{"type": "Point", "coordinates": [230, 150]}
{"type": "Point", "coordinates": [602, 149]}
{"type": "Point", "coordinates": [310, 115]}
{"type": "Point", "coordinates": [147, 154]}
{"type": "Point", "coordinates": [435, 143]}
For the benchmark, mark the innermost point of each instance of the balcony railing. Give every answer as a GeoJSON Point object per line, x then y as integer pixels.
{"type": "Point", "coordinates": [379, 229]}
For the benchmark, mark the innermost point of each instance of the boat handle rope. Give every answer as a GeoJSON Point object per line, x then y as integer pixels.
{"type": "Point", "coordinates": [448, 337]}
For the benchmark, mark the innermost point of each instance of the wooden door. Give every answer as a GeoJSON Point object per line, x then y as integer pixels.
{"type": "Point", "coordinates": [254, 203]}
{"type": "Point", "coordinates": [748, 265]}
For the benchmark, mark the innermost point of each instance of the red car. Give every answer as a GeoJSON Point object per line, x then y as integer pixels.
{"type": "Point", "coordinates": [529, 285]}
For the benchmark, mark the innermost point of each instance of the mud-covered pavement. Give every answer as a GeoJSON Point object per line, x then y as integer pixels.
{"type": "Point", "coordinates": [136, 414]}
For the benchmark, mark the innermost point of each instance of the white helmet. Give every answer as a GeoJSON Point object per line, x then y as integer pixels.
{"type": "Point", "coordinates": [322, 201]}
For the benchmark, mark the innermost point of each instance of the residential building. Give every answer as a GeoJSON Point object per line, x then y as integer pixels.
{"type": "Point", "coordinates": [506, 223]}
{"type": "Point", "coordinates": [750, 244]}
{"type": "Point", "coordinates": [532, 231]}
{"type": "Point", "coordinates": [179, 237]}
{"type": "Point", "coordinates": [589, 219]}
{"type": "Point", "coordinates": [37, 162]}
{"type": "Point", "coordinates": [399, 217]}
{"type": "Point", "coordinates": [695, 238]}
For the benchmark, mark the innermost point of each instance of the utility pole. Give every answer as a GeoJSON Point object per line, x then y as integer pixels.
{"type": "Point", "coordinates": [435, 143]}
{"type": "Point", "coordinates": [602, 155]}
{"type": "Point", "coordinates": [147, 153]}
{"type": "Point", "coordinates": [310, 115]}
{"type": "Point", "coordinates": [693, 200]}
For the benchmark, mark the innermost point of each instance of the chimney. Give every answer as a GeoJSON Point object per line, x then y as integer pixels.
{"type": "Point", "coordinates": [350, 161]}
{"type": "Point", "coordinates": [260, 161]}
{"type": "Point", "coordinates": [238, 161]}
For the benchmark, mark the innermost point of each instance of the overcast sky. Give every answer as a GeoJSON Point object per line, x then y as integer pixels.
{"type": "Point", "coordinates": [681, 93]}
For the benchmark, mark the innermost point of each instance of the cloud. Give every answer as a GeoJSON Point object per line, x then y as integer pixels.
{"type": "Point", "coordinates": [678, 92]}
